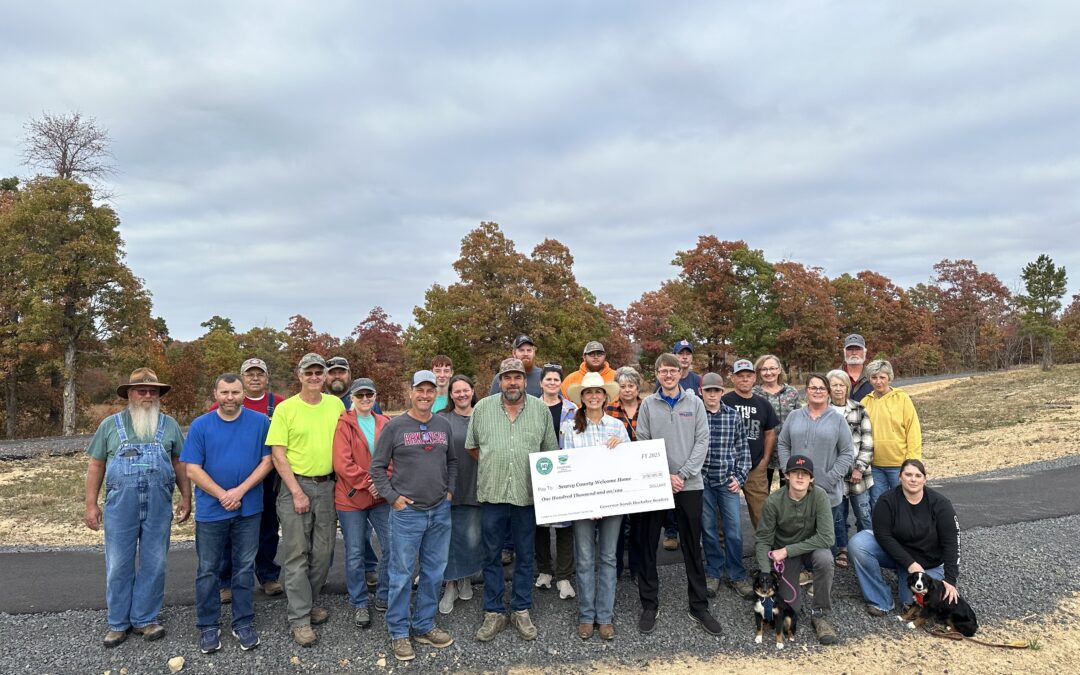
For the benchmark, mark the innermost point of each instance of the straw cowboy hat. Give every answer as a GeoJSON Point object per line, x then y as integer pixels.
{"type": "Point", "coordinates": [142, 377]}
{"type": "Point", "coordinates": [592, 381]}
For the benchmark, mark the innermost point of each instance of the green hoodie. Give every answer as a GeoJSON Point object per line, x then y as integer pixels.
{"type": "Point", "coordinates": [801, 526]}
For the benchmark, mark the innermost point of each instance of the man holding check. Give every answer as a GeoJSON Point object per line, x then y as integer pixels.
{"type": "Point", "coordinates": [679, 418]}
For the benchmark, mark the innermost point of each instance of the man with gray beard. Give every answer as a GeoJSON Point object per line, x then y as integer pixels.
{"type": "Point", "coordinates": [136, 453]}
{"type": "Point", "coordinates": [854, 358]}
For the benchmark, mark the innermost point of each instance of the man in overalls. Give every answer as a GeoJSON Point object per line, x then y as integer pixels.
{"type": "Point", "coordinates": [136, 453]}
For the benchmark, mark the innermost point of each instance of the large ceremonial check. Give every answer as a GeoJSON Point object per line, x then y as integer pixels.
{"type": "Point", "coordinates": [600, 481]}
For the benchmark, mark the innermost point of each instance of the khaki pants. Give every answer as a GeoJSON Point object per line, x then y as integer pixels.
{"type": "Point", "coordinates": [307, 546]}
{"type": "Point", "coordinates": [755, 489]}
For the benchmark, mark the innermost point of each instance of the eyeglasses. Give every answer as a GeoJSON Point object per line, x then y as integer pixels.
{"type": "Point", "coordinates": [143, 391]}
{"type": "Point", "coordinates": [668, 371]}
{"type": "Point", "coordinates": [817, 389]}
{"type": "Point", "coordinates": [313, 373]}
{"type": "Point", "coordinates": [553, 366]}
{"type": "Point", "coordinates": [364, 394]}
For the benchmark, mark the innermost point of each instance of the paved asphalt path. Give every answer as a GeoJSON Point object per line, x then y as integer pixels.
{"type": "Point", "coordinates": [61, 580]}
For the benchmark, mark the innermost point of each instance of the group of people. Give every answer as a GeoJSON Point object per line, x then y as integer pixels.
{"type": "Point", "coordinates": [445, 489]}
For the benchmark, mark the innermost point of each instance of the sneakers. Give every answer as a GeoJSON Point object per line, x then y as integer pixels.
{"type": "Point", "coordinates": [543, 581]}
{"type": "Point", "coordinates": [402, 649]}
{"type": "Point", "coordinates": [436, 637]}
{"type": "Point", "coordinates": [272, 588]}
{"type": "Point", "coordinates": [303, 635]}
{"type": "Point", "coordinates": [565, 589]}
{"type": "Point", "coordinates": [209, 640]}
{"type": "Point", "coordinates": [876, 612]}
{"type": "Point", "coordinates": [671, 544]}
{"type": "Point", "coordinates": [115, 637]}
{"type": "Point", "coordinates": [707, 621]}
{"type": "Point", "coordinates": [824, 632]}
{"type": "Point", "coordinates": [743, 587]}
{"type": "Point", "coordinates": [371, 579]}
{"type": "Point", "coordinates": [246, 636]}
{"type": "Point", "coordinates": [449, 595]}
{"type": "Point", "coordinates": [464, 589]}
{"type": "Point", "coordinates": [319, 616]}
{"type": "Point", "coordinates": [150, 632]}
{"type": "Point", "coordinates": [712, 587]}
{"type": "Point", "coordinates": [225, 594]}
{"type": "Point", "coordinates": [522, 623]}
{"type": "Point", "coordinates": [584, 630]}
{"type": "Point", "coordinates": [494, 623]}
{"type": "Point", "coordinates": [607, 631]}
{"type": "Point", "coordinates": [361, 617]}
{"type": "Point", "coordinates": [380, 605]}
{"type": "Point", "coordinates": [507, 556]}
{"type": "Point", "coordinates": [647, 621]}
{"type": "Point", "coordinates": [806, 577]}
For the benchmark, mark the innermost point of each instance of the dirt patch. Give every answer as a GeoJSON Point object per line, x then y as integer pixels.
{"type": "Point", "coordinates": [1055, 638]}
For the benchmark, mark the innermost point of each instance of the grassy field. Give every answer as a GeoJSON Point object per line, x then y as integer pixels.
{"type": "Point", "coordinates": [969, 426]}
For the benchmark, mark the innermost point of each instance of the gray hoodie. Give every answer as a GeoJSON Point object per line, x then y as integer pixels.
{"type": "Point", "coordinates": [685, 430]}
{"type": "Point", "coordinates": [826, 441]}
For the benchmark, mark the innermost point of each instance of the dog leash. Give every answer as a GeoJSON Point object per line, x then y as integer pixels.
{"type": "Point", "coordinates": [778, 565]}
{"type": "Point", "coordinates": [955, 636]}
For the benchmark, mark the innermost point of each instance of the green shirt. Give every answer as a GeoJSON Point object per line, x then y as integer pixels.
{"type": "Point", "coordinates": [106, 441]}
{"type": "Point", "coordinates": [801, 526]}
{"type": "Point", "coordinates": [502, 472]}
{"type": "Point", "coordinates": [307, 432]}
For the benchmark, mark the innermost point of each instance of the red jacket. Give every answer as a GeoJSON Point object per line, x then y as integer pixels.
{"type": "Point", "coordinates": [352, 460]}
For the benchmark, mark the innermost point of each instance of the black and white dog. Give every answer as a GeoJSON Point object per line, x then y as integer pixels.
{"type": "Point", "coordinates": [930, 603]}
{"type": "Point", "coordinates": [770, 609]}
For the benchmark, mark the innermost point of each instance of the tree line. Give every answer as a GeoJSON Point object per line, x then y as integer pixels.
{"type": "Point", "coordinates": [74, 318]}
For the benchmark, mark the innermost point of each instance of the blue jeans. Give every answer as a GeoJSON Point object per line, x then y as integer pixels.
{"type": "Point", "coordinates": [728, 559]}
{"type": "Point", "coordinates": [869, 559]}
{"type": "Point", "coordinates": [211, 538]}
{"type": "Point", "coordinates": [596, 592]}
{"type": "Point", "coordinates": [520, 522]}
{"type": "Point", "coordinates": [266, 568]}
{"type": "Point", "coordinates": [466, 543]}
{"type": "Point", "coordinates": [138, 518]}
{"type": "Point", "coordinates": [885, 479]}
{"type": "Point", "coordinates": [354, 531]}
{"type": "Point", "coordinates": [416, 533]}
{"type": "Point", "coordinates": [371, 558]}
{"type": "Point", "coordinates": [860, 506]}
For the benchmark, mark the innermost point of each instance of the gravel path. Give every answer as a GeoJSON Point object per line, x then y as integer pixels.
{"type": "Point", "coordinates": [1026, 578]}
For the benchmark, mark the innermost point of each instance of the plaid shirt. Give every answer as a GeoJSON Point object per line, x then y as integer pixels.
{"type": "Point", "coordinates": [616, 411]}
{"type": "Point", "coordinates": [729, 451]}
{"type": "Point", "coordinates": [863, 441]}
{"type": "Point", "coordinates": [594, 434]}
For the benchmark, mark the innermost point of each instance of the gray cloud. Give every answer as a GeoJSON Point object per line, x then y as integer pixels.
{"type": "Point", "coordinates": [279, 158]}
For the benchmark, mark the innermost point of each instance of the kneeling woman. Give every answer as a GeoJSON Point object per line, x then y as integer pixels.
{"type": "Point", "coordinates": [591, 427]}
{"type": "Point", "coordinates": [915, 530]}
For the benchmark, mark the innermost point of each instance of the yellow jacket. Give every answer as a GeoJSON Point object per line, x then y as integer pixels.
{"type": "Point", "coordinates": [895, 425]}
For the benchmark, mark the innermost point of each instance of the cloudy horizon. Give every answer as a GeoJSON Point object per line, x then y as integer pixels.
{"type": "Point", "coordinates": [278, 158]}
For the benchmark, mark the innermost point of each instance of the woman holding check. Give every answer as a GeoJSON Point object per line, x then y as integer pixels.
{"type": "Point", "coordinates": [592, 427]}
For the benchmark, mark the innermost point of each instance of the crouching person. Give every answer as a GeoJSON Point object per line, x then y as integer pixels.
{"type": "Point", "coordinates": [227, 459]}
{"type": "Point", "coordinates": [796, 525]}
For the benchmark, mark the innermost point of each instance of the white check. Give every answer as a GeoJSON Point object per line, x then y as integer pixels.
{"type": "Point", "coordinates": [600, 481]}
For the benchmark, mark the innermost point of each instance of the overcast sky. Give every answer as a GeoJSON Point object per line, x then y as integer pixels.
{"type": "Point", "coordinates": [322, 158]}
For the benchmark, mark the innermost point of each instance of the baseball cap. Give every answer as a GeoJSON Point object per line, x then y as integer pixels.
{"type": "Point", "coordinates": [523, 340]}
{"type": "Point", "coordinates": [361, 384]}
{"type": "Point", "coordinates": [712, 381]}
{"type": "Point", "coordinates": [312, 359]}
{"type": "Point", "coordinates": [801, 462]}
{"type": "Point", "coordinates": [681, 345]}
{"type": "Point", "coordinates": [337, 362]}
{"type": "Point", "coordinates": [593, 346]}
{"type": "Point", "coordinates": [254, 363]}
{"type": "Point", "coordinates": [741, 365]}
{"type": "Point", "coordinates": [854, 340]}
{"type": "Point", "coordinates": [511, 365]}
{"type": "Point", "coordinates": [422, 376]}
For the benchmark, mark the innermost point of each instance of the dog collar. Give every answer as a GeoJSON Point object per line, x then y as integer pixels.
{"type": "Point", "coordinates": [919, 598]}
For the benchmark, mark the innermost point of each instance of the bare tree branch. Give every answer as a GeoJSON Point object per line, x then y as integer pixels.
{"type": "Point", "coordinates": [68, 146]}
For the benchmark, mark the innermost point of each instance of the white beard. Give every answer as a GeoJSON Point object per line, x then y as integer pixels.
{"type": "Point", "coordinates": [144, 421]}
{"type": "Point", "coordinates": [854, 360]}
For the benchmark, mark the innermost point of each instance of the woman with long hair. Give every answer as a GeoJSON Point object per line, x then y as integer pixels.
{"type": "Point", "coordinates": [466, 545]}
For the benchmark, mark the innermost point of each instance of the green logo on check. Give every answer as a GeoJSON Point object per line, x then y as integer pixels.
{"type": "Point", "coordinates": [544, 466]}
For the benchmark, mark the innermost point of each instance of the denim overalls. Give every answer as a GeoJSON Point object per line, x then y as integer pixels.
{"type": "Point", "coordinates": [139, 482]}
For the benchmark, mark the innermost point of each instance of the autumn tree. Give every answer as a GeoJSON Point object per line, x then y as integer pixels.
{"type": "Point", "coordinates": [660, 318]}
{"type": "Point", "coordinates": [972, 311]}
{"type": "Point", "coordinates": [82, 292]}
{"type": "Point", "coordinates": [1044, 283]}
{"type": "Point", "coordinates": [1067, 339]}
{"type": "Point", "coordinates": [14, 300]}
{"type": "Point", "coordinates": [376, 350]}
{"type": "Point", "coordinates": [805, 309]}
{"type": "Point", "coordinates": [68, 146]}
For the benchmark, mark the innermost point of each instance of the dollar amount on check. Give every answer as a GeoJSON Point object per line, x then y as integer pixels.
{"type": "Point", "coordinates": [600, 481]}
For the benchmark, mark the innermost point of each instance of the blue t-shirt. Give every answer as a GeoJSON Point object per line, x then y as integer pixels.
{"type": "Point", "coordinates": [229, 452]}
{"type": "Point", "coordinates": [367, 425]}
